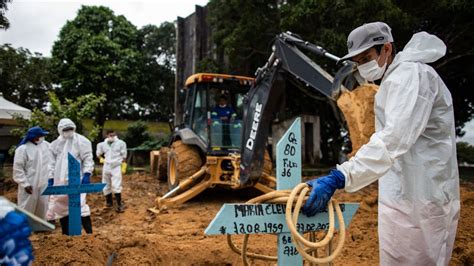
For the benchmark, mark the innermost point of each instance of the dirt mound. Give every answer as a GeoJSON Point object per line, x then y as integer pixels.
{"type": "Point", "coordinates": [358, 109]}
{"type": "Point", "coordinates": [176, 237]}
{"type": "Point", "coordinates": [61, 250]}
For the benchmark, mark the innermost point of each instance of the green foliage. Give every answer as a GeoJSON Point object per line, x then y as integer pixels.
{"type": "Point", "coordinates": [244, 30]}
{"type": "Point", "coordinates": [102, 53]}
{"type": "Point", "coordinates": [137, 133]}
{"type": "Point", "coordinates": [155, 128]}
{"type": "Point", "coordinates": [465, 153]}
{"type": "Point", "coordinates": [76, 110]}
{"type": "Point", "coordinates": [4, 23]}
{"type": "Point", "coordinates": [208, 65]}
{"type": "Point", "coordinates": [154, 144]}
{"type": "Point", "coordinates": [158, 62]}
{"type": "Point", "coordinates": [97, 52]}
{"type": "Point", "coordinates": [24, 77]}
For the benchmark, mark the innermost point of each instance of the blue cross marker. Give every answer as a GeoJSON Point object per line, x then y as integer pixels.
{"type": "Point", "coordinates": [74, 190]}
{"type": "Point", "coordinates": [270, 218]}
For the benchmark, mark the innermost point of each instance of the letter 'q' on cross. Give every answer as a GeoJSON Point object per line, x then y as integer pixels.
{"type": "Point", "coordinates": [74, 190]}
{"type": "Point", "coordinates": [270, 218]}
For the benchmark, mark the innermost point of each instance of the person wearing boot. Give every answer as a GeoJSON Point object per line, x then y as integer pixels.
{"type": "Point", "coordinates": [81, 149]}
{"type": "Point", "coordinates": [115, 152]}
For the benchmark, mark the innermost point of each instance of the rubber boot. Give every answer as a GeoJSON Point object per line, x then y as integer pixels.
{"type": "Point", "coordinates": [118, 198]}
{"type": "Point", "coordinates": [109, 200]}
{"type": "Point", "coordinates": [87, 224]}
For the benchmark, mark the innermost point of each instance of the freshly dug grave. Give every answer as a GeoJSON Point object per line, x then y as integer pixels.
{"type": "Point", "coordinates": [176, 237]}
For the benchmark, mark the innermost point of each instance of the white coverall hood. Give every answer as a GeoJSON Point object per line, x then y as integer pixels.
{"type": "Point", "coordinates": [413, 155]}
{"type": "Point", "coordinates": [423, 47]}
{"type": "Point", "coordinates": [65, 123]}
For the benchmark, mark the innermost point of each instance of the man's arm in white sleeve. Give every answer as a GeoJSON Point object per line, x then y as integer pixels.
{"type": "Point", "coordinates": [407, 110]}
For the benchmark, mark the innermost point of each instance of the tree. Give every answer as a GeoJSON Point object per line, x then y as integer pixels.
{"type": "Point", "coordinates": [24, 77]}
{"type": "Point", "coordinates": [97, 52]}
{"type": "Point", "coordinates": [4, 23]}
{"type": "Point", "coordinates": [76, 110]}
{"type": "Point", "coordinates": [157, 48]}
{"type": "Point", "coordinates": [244, 30]}
{"type": "Point", "coordinates": [137, 133]}
{"type": "Point", "coordinates": [465, 153]}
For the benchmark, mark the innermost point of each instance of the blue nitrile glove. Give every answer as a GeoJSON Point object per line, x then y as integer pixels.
{"type": "Point", "coordinates": [86, 178]}
{"type": "Point", "coordinates": [15, 247]}
{"type": "Point", "coordinates": [323, 189]}
{"type": "Point", "coordinates": [50, 182]}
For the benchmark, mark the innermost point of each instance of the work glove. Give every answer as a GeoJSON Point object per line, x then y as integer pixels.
{"type": "Point", "coordinates": [86, 178]}
{"type": "Point", "coordinates": [216, 123]}
{"type": "Point", "coordinates": [50, 182]}
{"type": "Point", "coordinates": [322, 190]}
{"type": "Point", "coordinates": [15, 247]}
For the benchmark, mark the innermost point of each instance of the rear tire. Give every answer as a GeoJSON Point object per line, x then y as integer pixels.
{"type": "Point", "coordinates": [162, 167]}
{"type": "Point", "coordinates": [183, 161]}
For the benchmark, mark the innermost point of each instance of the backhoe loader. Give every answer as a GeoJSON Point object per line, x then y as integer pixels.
{"type": "Point", "coordinates": [204, 151]}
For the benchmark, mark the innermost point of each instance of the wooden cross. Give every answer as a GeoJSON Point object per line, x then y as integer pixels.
{"type": "Point", "coordinates": [270, 218]}
{"type": "Point", "coordinates": [74, 190]}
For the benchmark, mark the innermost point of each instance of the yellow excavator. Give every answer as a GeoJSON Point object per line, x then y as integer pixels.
{"type": "Point", "coordinates": [205, 150]}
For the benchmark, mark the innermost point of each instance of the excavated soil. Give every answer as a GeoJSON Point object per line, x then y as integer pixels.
{"type": "Point", "coordinates": [176, 237]}
{"type": "Point", "coordinates": [358, 109]}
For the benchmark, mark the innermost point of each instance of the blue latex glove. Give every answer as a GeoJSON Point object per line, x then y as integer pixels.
{"type": "Point", "coordinates": [15, 247]}
{"type": "Point", "coordinates": [50, 182]}
{"type": "Point", "coordinates": [86, 178]}
{"type": "Point", "coordinates": [323, 189]}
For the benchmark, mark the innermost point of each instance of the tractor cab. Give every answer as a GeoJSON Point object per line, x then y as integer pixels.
{"type": "Point", "coordinates": [214, 110]}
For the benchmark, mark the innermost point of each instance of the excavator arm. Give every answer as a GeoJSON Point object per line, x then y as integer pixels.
{"type": "Point", "coordinates": [287, 61]}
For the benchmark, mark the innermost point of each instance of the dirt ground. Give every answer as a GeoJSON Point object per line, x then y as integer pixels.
{"type": "Point", "coordinates": [176, 237]}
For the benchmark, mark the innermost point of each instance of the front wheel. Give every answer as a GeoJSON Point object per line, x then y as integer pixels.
{"type": "Point", "coordinates": [183, 161]}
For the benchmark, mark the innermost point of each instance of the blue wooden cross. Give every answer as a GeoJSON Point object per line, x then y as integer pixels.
{"type": "Point", "coordinates": [74, 190]}
{"type": "Point", "coordinates": [270, 218]}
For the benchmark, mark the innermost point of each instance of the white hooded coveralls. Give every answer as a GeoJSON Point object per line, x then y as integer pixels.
{"type": "Point", "coordinates": [30, 168]}
{"type": "Point", "coordinates": [114, 153]}
{"type": "Point", "coordinates": [413, 153]}
{"type": "Point", "coordinates": [81, 149]}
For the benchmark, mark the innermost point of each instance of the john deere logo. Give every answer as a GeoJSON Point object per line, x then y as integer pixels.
{"type": "Point", "coordinates": [350, 44]}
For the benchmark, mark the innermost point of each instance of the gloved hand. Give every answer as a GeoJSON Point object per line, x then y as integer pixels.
{"type": "Point", "coordinates": [15, 247]}
{"type": "Point", "coordinates": [323, 189]}
{"type": "Point", "coordinates": [216, 123]}
{"type": "Point", "coordinates": [86, 178]}
{"type": "Point", "coordinates": [50, 182]}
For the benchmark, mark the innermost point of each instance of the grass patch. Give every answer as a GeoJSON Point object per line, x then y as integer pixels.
{"type": "Point", "coordinates": [122, 125]}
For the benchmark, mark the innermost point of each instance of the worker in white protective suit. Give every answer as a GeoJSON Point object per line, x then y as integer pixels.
{"type": "Point", "coordinates": [115, 152]}
{"type": "Point", "coordinates": [81, 148]}
{"type": "Point", "coordinates": [412, 153]}
{"type": "Point", "coordinates": [30, 171]}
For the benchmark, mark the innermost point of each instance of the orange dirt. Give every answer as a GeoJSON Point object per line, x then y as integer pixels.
{"type": "Point", "coordinates": [358, 109]}
{"type": "Point", "coordinates": [176, 237]}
